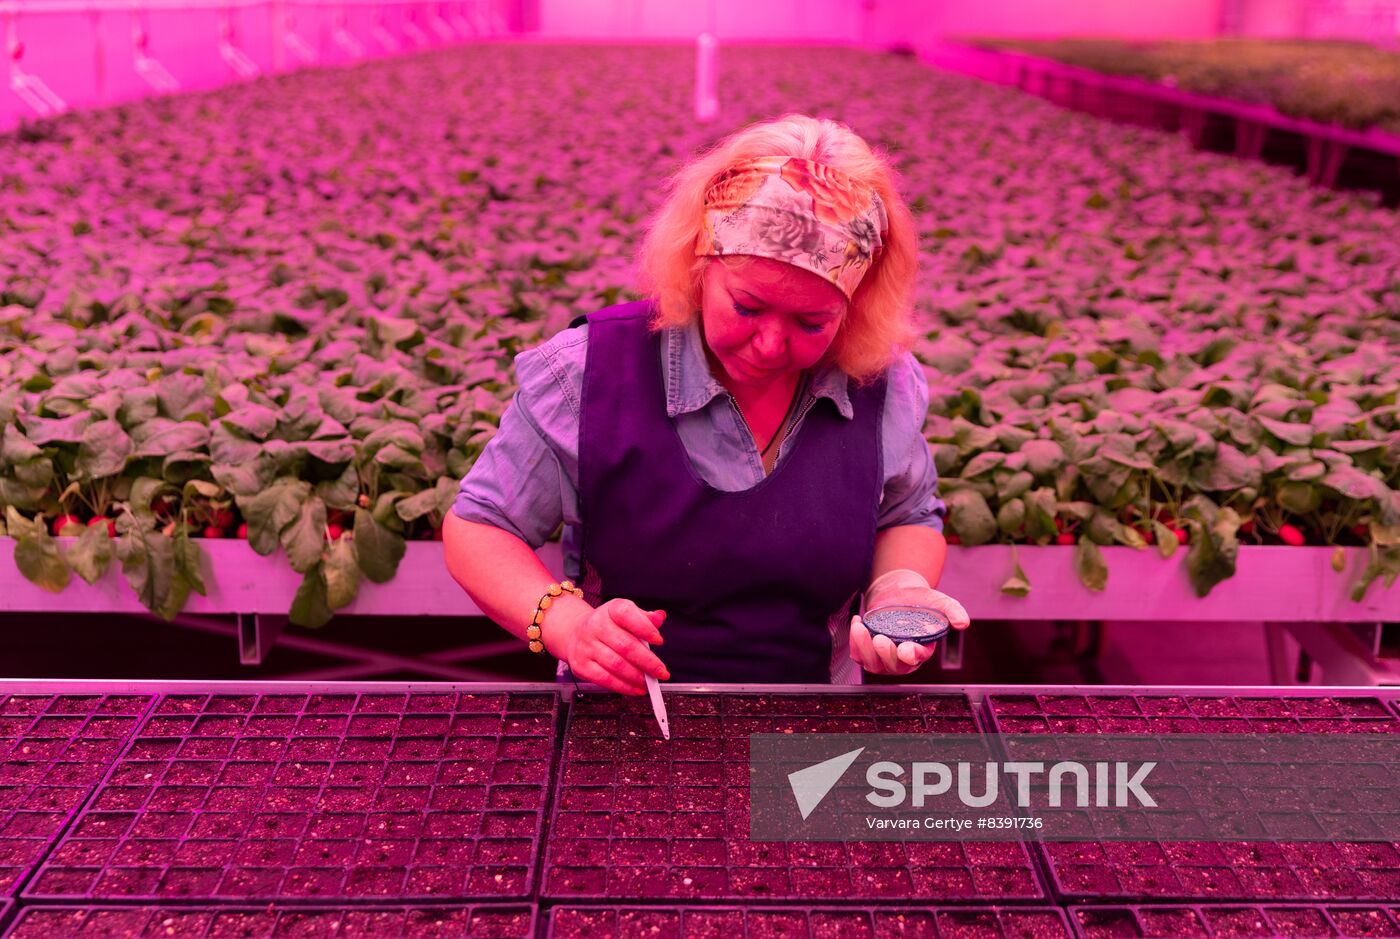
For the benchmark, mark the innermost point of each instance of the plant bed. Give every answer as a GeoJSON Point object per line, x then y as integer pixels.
{"type": "Point", "coordinates": [53, 750]}
{"type": "Point", "coordinates": [1197, 871]}
{"type": "Point", "coordinates": [312, 817]}
{"type": "Point", "coordinates": [669, 818]}
{"type": "Point", "coordinates": [757, 922]}
{"type": "Point", "coordinates": [273, 922]}
{"type": "Point", "coordinates": [1195, 340]}
{"type": "Point", "coordinates": [1243, 922]}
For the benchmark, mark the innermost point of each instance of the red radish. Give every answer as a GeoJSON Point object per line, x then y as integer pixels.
{"type": "Point", "coordinates": [437, 533]}
{"type": "Point", "coordinates": [243, 530]}
{"type": "Point", "coordinates": [111, 524]}
{"type": "Point", "coordinates": [1181, 535]}
{"type": "Point", "coordinates": [362, 501]}
{"type": "Point", "coordinates": [1290, 535]}
{"type": "Point", "coordinates": [160, 505]}
{"type": "Point", "coordinates": [1247, 527]}
{"type": "Point", "coordinates": [1148, 535]}
{"type": "Point", "coordinates": [1361, 531]}
{"type": "Point", "coordinates": [63, 521]}
{"type": "Point", "coordinates": [333, 532]}
{"type": "Point", "coordinates": [952, 539]}
{"type": "Point", "coordinates": [223, 518]}
{"type": "Point", "coordinates": [1066, 538]}
{"type": "Point", "coordinates": [213, 531]}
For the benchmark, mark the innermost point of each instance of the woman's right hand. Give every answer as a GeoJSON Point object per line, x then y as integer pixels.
{"type": "Point", "coordinates": [607, 645]}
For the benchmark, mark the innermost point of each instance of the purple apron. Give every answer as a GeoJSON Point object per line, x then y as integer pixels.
{"type": "Point", "coordinates": [748, 579]}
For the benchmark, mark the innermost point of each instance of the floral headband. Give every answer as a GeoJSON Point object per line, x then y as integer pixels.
{"type": "Point", "coordinates": [807, 214]}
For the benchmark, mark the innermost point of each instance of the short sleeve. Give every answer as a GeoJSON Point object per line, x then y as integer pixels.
{"type": "Point", "coordinates": [525, 479]}
{"type": "Point", "coordinates": [910, 494]}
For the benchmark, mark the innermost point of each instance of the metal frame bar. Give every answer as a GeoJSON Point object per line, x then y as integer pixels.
{"type": "Point", "coordinates": [255, 636]}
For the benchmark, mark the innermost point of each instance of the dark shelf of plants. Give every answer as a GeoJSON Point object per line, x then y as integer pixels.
{"type": "Point", "coordinates": [317, 798]}
{"type": "Point", "coordinates": [1208, 921]}
{"type": "Point", "coordinates": [638, 816]}
{"type": "Point", "coordinates": [483, 921]}
{"type": "Point", "coordinates": [1206, 871]}
{"type": "Point", "coordinates": [754, 922]}
{"type": "Point", "coordinates": [54, 749]}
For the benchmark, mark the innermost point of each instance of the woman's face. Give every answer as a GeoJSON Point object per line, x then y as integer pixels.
{"type": "Point", "coordinates": [766, 321]}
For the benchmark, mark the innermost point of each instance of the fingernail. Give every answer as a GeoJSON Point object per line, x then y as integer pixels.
{"type": "Point", "coordinates": [665, 675]}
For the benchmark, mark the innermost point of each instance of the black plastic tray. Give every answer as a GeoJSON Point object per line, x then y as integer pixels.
{"type": "Point", "coordinates": [756, 922]}
{"type": "Point", "coordinates": [54, 750]}
{"type": "Point", "coordinates": [1205, 921]}
{"type": "Point", "coordinates": [315, 798]}
{"type": "Point", "coordinates": [637, 816]}
{"type": "Point", "coordinates": [486, 921]}
{"type": "Point", "coordinates": [1200, 871]}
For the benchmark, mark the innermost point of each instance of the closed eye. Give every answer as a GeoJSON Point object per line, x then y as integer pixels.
{"type": "Point", "coordinates": [806, 327]}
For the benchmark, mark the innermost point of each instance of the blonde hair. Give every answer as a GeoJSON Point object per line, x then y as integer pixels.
{"type": "Point", "coordinates": [878, 326]}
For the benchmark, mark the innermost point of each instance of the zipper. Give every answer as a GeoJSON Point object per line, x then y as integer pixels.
{"type": "Point", "coordinates": [807, 406]}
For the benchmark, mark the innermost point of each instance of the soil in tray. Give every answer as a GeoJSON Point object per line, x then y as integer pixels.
{"type": "Point", "coordinates": [53, 749]}
{"type": "Point", "coordinates": [198, 808]}
{"type": "Point", "coordinates": [505, 922]}
{"type": "Point", "coordinates": [638, 816]}
{"type": "Point", "coordinates": [764, 923]}
{"type": "Point", "coordinates": [1236, 921]}
{"type": "Point", "coordinates": [1206, 871]}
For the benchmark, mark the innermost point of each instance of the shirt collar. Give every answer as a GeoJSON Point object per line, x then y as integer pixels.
{"type": "Point", "coordinates": [690, 385]}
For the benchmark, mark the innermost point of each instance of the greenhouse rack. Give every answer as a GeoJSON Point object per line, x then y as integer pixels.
{"type": "Point", "coordinates": [1094, 92]}
{"type": "Point", "coordinates": [1289, 590]}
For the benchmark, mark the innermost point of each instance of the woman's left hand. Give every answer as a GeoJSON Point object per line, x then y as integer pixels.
{"type": "Point", "coordinates": [879, 654]}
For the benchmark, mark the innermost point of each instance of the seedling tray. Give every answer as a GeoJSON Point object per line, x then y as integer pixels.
{"type": "Point", "coordinates": [637, 816]}
{"type": "Point", "coordinates": [720, 922]}
{"type": "Point", "coordinates": [309, 797]}
{"type": "Point", "coordinates": [54, 748]}
{"type": "Point", "coordinates": [273, 922]}
{"type": "Point", "coordinates": [1306, 871]}
{"type": "Point", "coordinates": [1238, 922]}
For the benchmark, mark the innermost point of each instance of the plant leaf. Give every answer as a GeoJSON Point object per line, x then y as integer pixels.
{"type": "Point", "coordinates": [1090, 565]}
{"type": "Point", "coordinates": [1166, 539]}
{"type": "Point", "coordinates": [342, 573]}
{"type": "Point", "coordinates": [309, 606]}
{"type": "Point", "coordinates": [970, 517]}
{"type": "Point", "coordinates": [305, 538]}
{"type": "Point", "coordinates": [379, 550]}
{"type": "Point", "coordinates": [91, 555]}
{"type": "Point", "coordinates": [38, 559]}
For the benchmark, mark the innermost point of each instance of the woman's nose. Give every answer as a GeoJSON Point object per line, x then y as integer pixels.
{"type": "Point", "coordinates": [769, 341]}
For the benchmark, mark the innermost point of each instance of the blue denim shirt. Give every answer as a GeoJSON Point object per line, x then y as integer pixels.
{"type": "Point", "coordinates": [525, 481]}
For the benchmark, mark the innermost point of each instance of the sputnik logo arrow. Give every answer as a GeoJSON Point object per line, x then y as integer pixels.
{"type": "Point", "coordinates": [810, 785]}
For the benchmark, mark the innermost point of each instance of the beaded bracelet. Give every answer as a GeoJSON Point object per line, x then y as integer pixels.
{"type": "Point", "coordinates": [532, 632]}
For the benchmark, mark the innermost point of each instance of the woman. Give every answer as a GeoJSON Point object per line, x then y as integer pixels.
{"type": "Point", "coordinates": [739, 456]}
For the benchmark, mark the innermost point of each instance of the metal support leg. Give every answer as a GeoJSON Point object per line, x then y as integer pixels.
{"type": "Point", "coordinates": [951, 653]}
{"type": "Point", "coordinates": [1325, 159]}
{"type": "Point", "coordinates": [1249, 138]}
{"type": "Point", "coordinates": [1193, 126]}
{"type": "Point", "coordinates": [256, 636]}
{"type": "Point", "coordinates": [1280, 672]}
